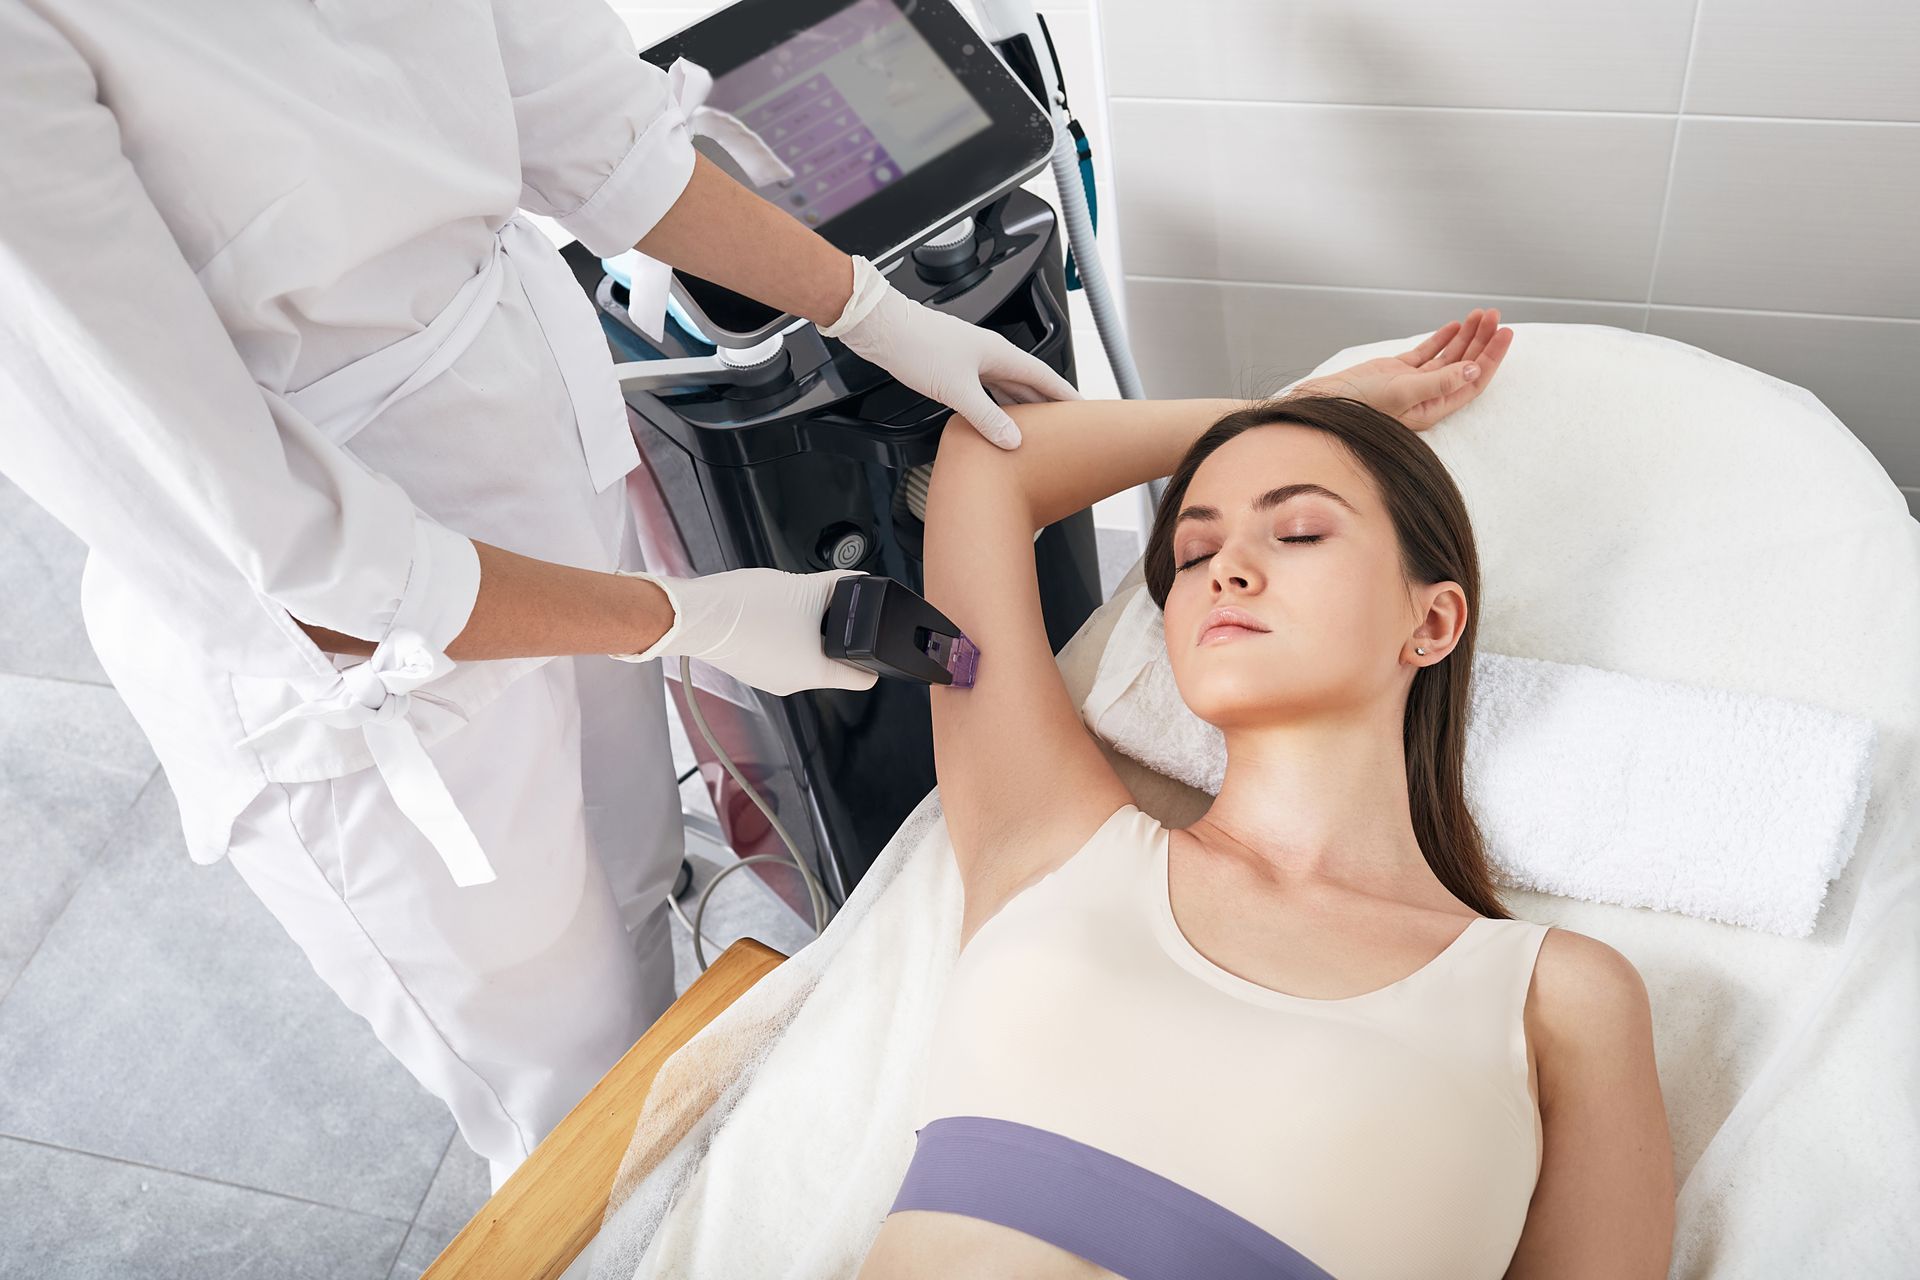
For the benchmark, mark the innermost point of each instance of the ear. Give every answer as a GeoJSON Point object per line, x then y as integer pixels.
{"type": "Point", "coordinates": [1444, 619]}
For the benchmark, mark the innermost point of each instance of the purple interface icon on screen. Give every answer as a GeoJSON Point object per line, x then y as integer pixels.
{"type": "Point", "coordinates": [850, 104]}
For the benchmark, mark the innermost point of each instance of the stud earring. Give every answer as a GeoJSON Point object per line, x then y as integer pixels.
{"type": "Point", "coordinates": [1419, 650]}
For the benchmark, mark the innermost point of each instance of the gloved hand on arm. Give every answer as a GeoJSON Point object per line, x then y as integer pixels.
{"type": "Point", "coordinates": [943, 357]}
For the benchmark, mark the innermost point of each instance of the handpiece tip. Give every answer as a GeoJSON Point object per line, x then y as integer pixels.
{"type": "Point", "coordinates": [962, 662]}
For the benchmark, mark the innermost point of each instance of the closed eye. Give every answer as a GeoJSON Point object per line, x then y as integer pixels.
{"type": "Point", "coordinates": [1315, 537]}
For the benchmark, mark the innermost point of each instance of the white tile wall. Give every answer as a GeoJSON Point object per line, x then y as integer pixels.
{"type": "Point", "coordinates": [1198, 338]}
{"type": "Point", "coordinates": [1839, 59]}
{"type": "Point", "coordinates": [1794, 216]}
{"type": "Point", "coordinates": [1294, 176]}
{"type": "Point", "coordinates": [1626, 55]}
{"type": "Point", "coordinates": [1556, 204]}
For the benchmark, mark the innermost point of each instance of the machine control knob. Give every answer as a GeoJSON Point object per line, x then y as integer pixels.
{"type": "Point", "coordinates": [843, 546]}
{"type": "Point", "coordinates": [948, 254]}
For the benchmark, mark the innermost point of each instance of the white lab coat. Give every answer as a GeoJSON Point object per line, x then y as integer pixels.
{"type": "Point", "coordinates": [208, 212]}
{"type": "Point", "coordinates": [205, 211]}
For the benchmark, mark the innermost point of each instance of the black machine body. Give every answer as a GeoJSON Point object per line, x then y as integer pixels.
{"type": "Point", "coordinates": [818, 460]}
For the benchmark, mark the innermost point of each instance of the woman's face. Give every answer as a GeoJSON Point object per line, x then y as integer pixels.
{"type": "Point", "coordinates": [1281, 531]}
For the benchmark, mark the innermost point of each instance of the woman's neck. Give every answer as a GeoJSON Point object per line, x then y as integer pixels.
{"type": "Point", "coordinates": [1320, 803]}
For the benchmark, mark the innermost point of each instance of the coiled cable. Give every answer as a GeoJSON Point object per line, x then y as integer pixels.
{"type": "Point", "coordinates": [816, 895]}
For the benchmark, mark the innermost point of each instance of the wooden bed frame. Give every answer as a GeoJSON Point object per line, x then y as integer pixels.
{"type": "Point", "coordinates": [538, 1222]}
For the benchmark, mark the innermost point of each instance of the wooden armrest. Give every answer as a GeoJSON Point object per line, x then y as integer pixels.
{"type": "Point", "coordinates": [538, 1222]}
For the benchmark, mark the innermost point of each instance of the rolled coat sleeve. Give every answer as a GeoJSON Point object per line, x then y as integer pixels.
{"type": "Point", "coordinates": [130, 416]}
{"type": "Point", "coordinates": [604, 150]}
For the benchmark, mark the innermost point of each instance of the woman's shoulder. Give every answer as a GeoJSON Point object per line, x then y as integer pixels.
{"type": "Point", "coordinates": [1575, 970]}
{"type": "Point", "coordinates": [1585, 998]}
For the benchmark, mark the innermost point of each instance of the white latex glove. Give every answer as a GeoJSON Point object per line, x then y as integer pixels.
{"type": "Point", "coordinates": [760, 626]}
{"type": "Point", "coordinates": [943, 357]}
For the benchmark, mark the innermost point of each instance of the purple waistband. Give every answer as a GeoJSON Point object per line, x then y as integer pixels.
{"type": "Point", "coordinates": [1090, 1202]}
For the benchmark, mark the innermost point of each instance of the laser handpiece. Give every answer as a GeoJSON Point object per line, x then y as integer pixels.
{"type": "Point", "coordinates": [882, 625]}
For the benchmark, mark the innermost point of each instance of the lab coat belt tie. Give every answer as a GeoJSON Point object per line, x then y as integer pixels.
{"type": "Point", "coordinates": [376, 695]}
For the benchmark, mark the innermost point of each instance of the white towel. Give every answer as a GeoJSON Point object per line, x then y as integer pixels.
{"type": "Point", "coordinates": [1588, 784]}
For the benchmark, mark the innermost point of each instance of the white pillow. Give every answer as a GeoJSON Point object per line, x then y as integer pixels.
{"type": "Point", "coordinates": [1646, 507]}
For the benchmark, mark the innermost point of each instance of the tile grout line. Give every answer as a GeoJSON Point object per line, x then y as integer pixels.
{"type": "Point", "coordinates": [201, 1177]}
{"type": "Point", "coordinates": [1161, 100]}
{"type": "Point", "coordinates": [1630, 303]}
{"type": "Point", "coordinates": [440, 1164]}
{"type": "Point", "coordinates": [425, 1191]}
{"type": "Point", "coordinates": [114, 830]}
{"type": "Point", "coordinates": [1673, 159]}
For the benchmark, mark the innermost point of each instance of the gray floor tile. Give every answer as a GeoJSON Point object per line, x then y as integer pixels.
{"type": "Point", "coordinates": [71, 762]}
{"type": "Point", "coordinates": [71, 1216]}
{"type": "Point", "coordinates": [422, 1246]}
{"type": "Point", "coordinates": [40, 581]}
{"type": "Point", "coordinates": [459, 1188]}
{"type": "Point", "coordinates": [168, 1019]}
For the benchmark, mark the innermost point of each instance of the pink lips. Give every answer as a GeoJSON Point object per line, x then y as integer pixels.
{"type": "Point", "coordinates": [1227, 621]}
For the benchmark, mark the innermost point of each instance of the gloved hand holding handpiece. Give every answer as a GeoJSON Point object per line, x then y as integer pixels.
{"type": "Point", "coordinates": [783, 632]}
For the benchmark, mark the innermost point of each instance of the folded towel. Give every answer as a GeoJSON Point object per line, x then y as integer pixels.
{"type": "Point", "coordinates": [1589, 784]}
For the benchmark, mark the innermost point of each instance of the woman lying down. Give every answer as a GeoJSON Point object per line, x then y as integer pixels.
{"type": "Point", "coordinates": [1301, 1037]}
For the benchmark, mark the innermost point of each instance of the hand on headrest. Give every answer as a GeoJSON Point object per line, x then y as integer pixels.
{"type": "Point", "coordinates": [1424, 385]}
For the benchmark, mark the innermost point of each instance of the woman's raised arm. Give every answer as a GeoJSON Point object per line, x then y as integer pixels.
{"type": "Point", "coordinates": [1075, 452]}
{"type": "Point", "coordinates": [1022, 782]}
{"type": "Point", "coordinates": [1084, 451]}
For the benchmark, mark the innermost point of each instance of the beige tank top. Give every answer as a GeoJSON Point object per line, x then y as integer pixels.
{"type": "Point", "coordinates": [1388, 1134]}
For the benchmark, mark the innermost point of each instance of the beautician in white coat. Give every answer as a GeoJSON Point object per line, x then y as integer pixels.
{"type": "Point", "coordinates": [275, 345]}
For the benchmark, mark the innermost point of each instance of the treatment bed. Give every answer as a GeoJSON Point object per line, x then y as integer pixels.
{"type": "Point", "coordinates": [1642, 507]}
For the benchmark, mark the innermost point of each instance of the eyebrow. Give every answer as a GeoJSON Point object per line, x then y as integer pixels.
{"type": "Point", "coordinates": [1268, 501]}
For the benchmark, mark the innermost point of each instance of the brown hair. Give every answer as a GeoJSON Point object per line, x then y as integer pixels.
{"type": "Point", "coordinates": [1436, 545]}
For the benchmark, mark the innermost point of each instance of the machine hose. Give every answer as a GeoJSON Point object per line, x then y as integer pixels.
{"type": "Point", "coordinates": [1086, 256]}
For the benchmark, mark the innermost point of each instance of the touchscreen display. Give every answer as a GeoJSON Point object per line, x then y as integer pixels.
{"type": "Point", "coordinates": [851, 104]}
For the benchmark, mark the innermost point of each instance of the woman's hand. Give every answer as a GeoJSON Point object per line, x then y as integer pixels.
{"type": "Point", "coordinates": [1424, 385]}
